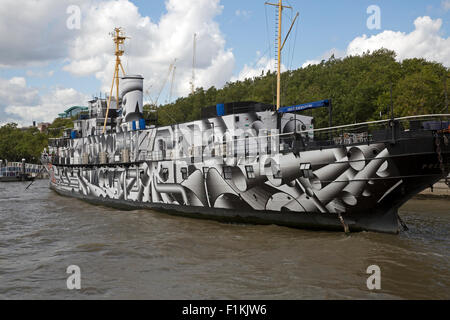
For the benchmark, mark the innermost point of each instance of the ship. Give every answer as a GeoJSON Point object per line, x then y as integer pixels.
{"type": "Point", "coordinates": [18, 171]}
{"type": "Point", "coordinates": [248, 162]}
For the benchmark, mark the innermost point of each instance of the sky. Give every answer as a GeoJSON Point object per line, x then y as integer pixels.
{"type": "Point", "coordinates": [58, 53]}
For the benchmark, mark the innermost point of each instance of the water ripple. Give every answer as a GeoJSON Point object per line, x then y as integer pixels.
{"type": "Point", "coordinates": [148, 255]}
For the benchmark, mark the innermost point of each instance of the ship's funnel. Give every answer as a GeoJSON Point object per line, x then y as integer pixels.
{"type": "Point", "coordinates": [132, 98]}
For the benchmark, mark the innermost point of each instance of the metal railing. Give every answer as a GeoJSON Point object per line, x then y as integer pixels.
{"type": "Point", "coordinates": [380, 131]}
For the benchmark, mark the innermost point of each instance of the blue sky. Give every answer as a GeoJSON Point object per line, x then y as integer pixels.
{"type": "Point", "coordinates": [239, 29]}
{"type": "Point", "coordinates": [322, 24]}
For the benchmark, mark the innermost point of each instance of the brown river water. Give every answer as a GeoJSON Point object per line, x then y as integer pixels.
{"type": "Point", "coordinates": [148, 255]}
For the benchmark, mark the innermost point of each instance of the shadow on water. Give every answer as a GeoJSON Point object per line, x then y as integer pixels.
{"type": "Point", "coordinates": [149, 255]}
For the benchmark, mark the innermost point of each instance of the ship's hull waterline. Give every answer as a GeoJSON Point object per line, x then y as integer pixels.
{"type": "Point", "coordinates": [364, 184]}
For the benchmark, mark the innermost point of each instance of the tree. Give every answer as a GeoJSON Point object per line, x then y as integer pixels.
{"type": "Point", "coordinates": [358, 85]}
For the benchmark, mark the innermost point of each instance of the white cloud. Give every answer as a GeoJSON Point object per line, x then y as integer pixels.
{"type": "Point", "coordinates": [35, 33]}
{"type": "Point", "coordinates": [15, 91]}
{"type": "Point", "coordinates": [23, 104]}
{"type": "Point", "coordinates": [153, 46]}
{"type": "Point", "coordinates": [56, 101]}
{"type": "Point", "coordinates": [425, 41]}
{"type": "Point", "coordinates": [40, 74]}
{"type": "Point", "coordinates": [243, 13]}
{"type": "Point", "coordinates": [446, 5]}
{"type": "Point", "coordinates": [261, 66]}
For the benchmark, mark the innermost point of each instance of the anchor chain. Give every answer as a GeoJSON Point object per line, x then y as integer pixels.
{"type": "Point", "coordinates": [441, 161]}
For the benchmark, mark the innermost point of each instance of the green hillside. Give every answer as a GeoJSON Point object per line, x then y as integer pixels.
{"type": "Point", "coordinates": [359, 87]}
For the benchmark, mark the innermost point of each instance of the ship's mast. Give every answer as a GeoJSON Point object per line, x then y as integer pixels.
{"type": "Point", "coordinates": [280, 46]}
{"type": "Point", "coordinates": [194, 48]}
{"type": "Point", "coordinates": [119, 39]}
{"type": "Point", "coordinates": [172, 82]}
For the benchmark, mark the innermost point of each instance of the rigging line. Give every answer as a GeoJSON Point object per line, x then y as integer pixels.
{"type": "Point", "coordinates": [295, 42]}
{"type": "Point", "coordinates": [172, 83]}
{"type": "Point", "coordinates": [296, 21]}
{"type": "Point", "coordinates": [289, 45]}
{"type": "Point", "coordinates": [291, 58]}
{"type": "Point", "coordinates": [130, 52]}
{"type": "Point", "coordinates": [253, 79]}
{"type": "Point", "coordinates": [125, 50]}
{"type": "Point", "coordinates": [270, 51]}
{"type": "Point", "coordinates": [287, 74]}
{"type": "Point", "coordinates": [254, 63]}
{"type": "Point", "coordinates": [167, 113]}
{"type": "Point", "coordinates": [286, 80]}
{"type": "Point", "coordinates": [293, 49]}
{"type": "Point", "coordinates": [125, 47]}
{"type": "Point", "coordinates": [252, 85]}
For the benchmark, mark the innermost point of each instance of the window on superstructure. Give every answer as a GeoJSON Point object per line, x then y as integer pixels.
{"type": "Point", "coordinates": [184, 173]}
{"type": "Point", "coordinates": [306, 170]}
{"type": "Point", "coordinates": [227, 173]}
{"type": "Point", "coordinates": [277, 172]}
{"type": "Point", "coordinates": [162, 145]}
{"type": "Point", "coordinates": [165, 174]}
{"type": "Point", "coordinates": [250, 172]}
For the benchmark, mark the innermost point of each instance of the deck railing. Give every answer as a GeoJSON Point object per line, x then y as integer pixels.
{"type": "Point", "coordinates": [380, 131]}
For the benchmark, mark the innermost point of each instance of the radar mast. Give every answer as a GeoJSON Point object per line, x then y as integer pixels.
{"type": "Point", "coordinates": [119, 39]}
{"type": "Point", "coordinates": [279, 45]}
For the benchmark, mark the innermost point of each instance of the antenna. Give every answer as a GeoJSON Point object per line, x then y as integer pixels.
{"type": "Point", "coordinates": [147, 95]}
{"type": "Point", "coordinates": [171, 66]}
{"type": "Point", "coordinates": [193, 64]}
{"type": "Point", "coordinates": [279, 45]}
{"type": "Point", "coordinates": [171, 84]}
{"type": "Point", "coordinates": [119, 39]}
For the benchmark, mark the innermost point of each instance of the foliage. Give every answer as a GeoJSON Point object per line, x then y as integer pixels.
{"type": "Point", "coordinates": [55, 130]}
{"type": "Point", "coordinates": [28, 143]}
{"type": "Point", "coordinates": [17, 144]}
{"type": "Point", "coordinates": [359, 87]}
